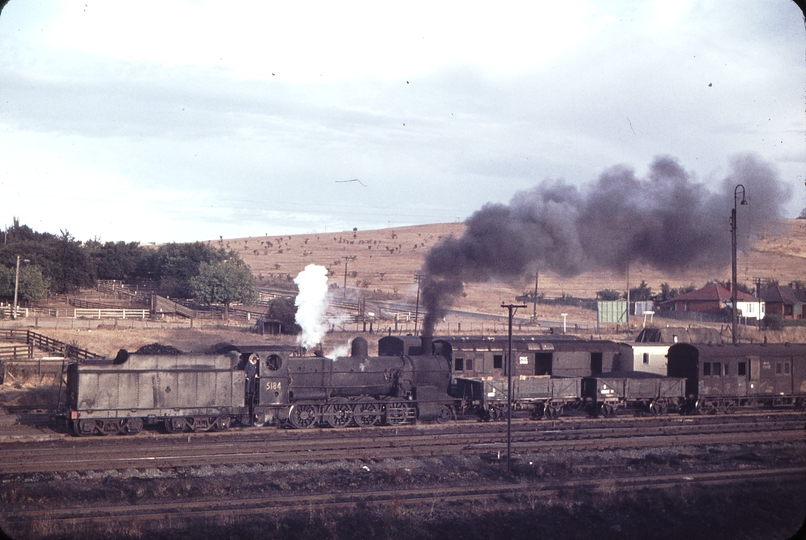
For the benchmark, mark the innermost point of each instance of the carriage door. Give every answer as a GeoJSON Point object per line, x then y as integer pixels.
{"type": "Point", "coordinates": [740, 376]}
{"type": "Point", "coordinates": [543, 363]}
{"type": "Point", "coordinates": [783, 376]}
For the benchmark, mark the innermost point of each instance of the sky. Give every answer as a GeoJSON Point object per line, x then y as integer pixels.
{"type": "Point", "coordinates": [189, 120]}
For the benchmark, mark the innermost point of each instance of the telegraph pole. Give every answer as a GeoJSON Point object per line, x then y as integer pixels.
{"type": "Point", "coordinates": [16, 289]}
{"type": "Point", "coordinates": [511, 308]}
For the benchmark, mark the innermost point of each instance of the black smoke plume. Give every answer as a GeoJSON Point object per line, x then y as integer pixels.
{"type": "Point", "coordinates": [667, 220]}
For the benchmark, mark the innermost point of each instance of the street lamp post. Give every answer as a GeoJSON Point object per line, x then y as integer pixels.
{"type": "Point", "coordinates": [733, 292]}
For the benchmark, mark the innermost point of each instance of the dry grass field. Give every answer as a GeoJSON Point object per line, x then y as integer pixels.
{"type": "Point", "coordinates": [382, 264]}
{"type": "Point", "coordinates": [385, 262]}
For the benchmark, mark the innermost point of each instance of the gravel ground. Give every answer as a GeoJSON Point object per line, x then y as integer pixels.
{"type": "Point", "coordinates": [757, 510]}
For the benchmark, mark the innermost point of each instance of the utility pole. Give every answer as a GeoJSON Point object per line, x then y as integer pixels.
{"type": "Point", "coordinates": [511, 308]}
{"type": "Point", "coordinates": [733, 292]}
{"type": "Point", "coordinates": [16, 289]}
{"type": "Point", "coordinates": [534, 314]}
{"type": "Point", "coordinates": [346, 258]}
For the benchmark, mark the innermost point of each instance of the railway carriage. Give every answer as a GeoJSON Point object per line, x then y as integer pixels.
{"type": "Point", "coordinates": [723, 377]}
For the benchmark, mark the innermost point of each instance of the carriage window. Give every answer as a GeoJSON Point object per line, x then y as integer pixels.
{"type": "Point", "coordinates": [725, 373]}
{"type": "Point", "coordinates": [646, 358]}
{"type": "Point", "coordinates": [498, 361]}
{"type": "Point", "coordinates": [469, 364]}
{"type": "Point", "coordinates": [459, 364]}
{"type": "Point", "coordinates": [717, 369]}
{"type": "Point", "coordinates": [706, 368]}
{"type": "Point", "coordinates": [742, 368]}
{"type": "Point", "coordinates": [778, 368]}
{"type": "Point", "coordinates": [786, 367]}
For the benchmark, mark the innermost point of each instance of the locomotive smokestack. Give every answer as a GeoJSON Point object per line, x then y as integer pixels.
{"type": "Point", "coordinates": [667, 220]}
{"type": "Point", "coordinates": [428, 344]}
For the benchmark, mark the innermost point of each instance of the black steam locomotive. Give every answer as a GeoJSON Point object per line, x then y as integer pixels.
{"type": "Point", "coordinates": [207, 392]}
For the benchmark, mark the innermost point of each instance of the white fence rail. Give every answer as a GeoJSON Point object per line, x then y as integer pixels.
{"type": "Point", "coordinates": [108, 313]}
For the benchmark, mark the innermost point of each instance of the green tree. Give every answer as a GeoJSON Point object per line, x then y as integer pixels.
{"type": "Point", "coordinates": [174, 265]}
{"type": "Point", "coordinates": [608, 294]}
{"type": "Point", "coordinates": [224, 282]}
{"type": "Point", "coordinates": [33, 285]}
{"type": "Point", "coordinates": [115, 260]}
{"type": "Point", "coordinates": [283, 309]}
{"type": "Point", "coordinates": [641, 292]}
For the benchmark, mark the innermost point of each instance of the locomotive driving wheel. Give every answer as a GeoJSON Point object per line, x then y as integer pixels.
{"type": "Point", "coordinates": [398, 412]}
{"type": "Point", "coordinates": [303, 415]}
{"type": "Point", "coordinates": [367, 412]}
{"type": "Point", "coordinates": [339, 413]}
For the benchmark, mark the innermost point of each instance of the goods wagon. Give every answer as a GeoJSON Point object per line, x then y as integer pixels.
{"type": "Point", "coordinates": [607, 392]}
{"type": "Point", "coordinates": [543, 395]}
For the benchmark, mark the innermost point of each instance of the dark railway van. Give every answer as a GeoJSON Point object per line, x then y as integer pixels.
{"type": "Point", "coordinates": [722, 377]}
{"type": "Point", "coordinates": [547, 372]}
{"type": "Point", "coordinates": [647, 392]}
{"type": "Point", "coordinates": [185, 391]}
{"type": "Point", "coordinates": [560, 356]}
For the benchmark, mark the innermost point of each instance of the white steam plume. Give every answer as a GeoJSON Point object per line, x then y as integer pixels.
{"type": "Point", "coordinates": [311, 304]}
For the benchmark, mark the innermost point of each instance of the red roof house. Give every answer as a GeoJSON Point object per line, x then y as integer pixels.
{"type": "Point", "coordinates": [712, 298]}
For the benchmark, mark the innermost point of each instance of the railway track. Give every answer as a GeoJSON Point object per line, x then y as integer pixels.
{"type": "Point", "coordinates": [519, 491]}
{"type": "Point", "coordinates": [269, 445]}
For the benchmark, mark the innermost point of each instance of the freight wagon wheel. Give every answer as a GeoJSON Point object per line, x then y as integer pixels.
{"type": "Point", "coordinates": [552, 412]}
{"type": "Point", "coordinates": [539, 411]}
{"type": "Point", "coordinates": [175, 425]}
{"type": "Point", "coordinates": [705, 407]}
{"type": "Point", "coordinates": [495, 413]}
{"type": "Point", "coordinates": [131, 426]}
{"type": "Point", "coordinates": [724, 406]}
{"type": "Point", "coordinates": [302, 416]}
{"type": "Point", "coordinates": [607, 410]}
{"type": "Point", "coordinates": [657, 408]}
{"type": "Point", "coordinates": [220, 424]}
{"type": "Point", "coordinates": [445, 414]}
{"type": "Point", "coordinates": [338, 414]}
{"type": "Point", "coordinates": [367, 413]}
{"type": "Point", "coordinates": [83, 427]}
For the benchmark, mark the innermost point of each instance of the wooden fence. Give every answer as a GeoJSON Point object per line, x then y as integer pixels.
{"type": "Point", "coordinates": [16, 352]}
{"type": "Point", "coordinates": [110, 313]}
{"type": "Point", "coordinates": [44, 343]}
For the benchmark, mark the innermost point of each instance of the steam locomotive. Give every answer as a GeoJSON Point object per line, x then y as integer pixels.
{"type": "Point", "coordinates": [196, 392]}
{"type": "Point", "coordinates": [422, 379]}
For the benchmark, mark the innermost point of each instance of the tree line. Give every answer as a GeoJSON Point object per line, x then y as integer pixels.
{"type": "Point", "coordinates": [61, 264]}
